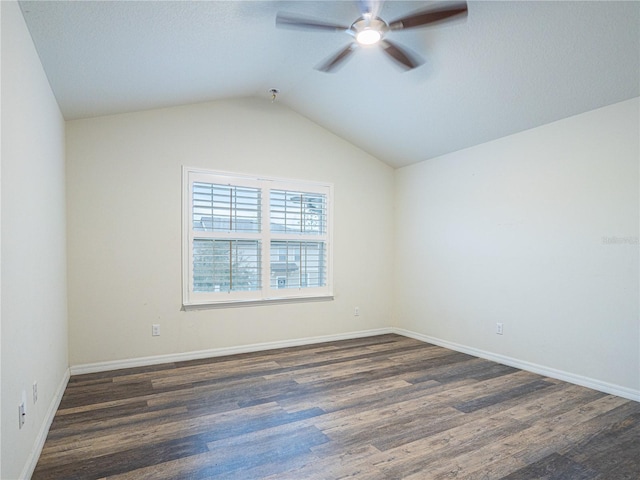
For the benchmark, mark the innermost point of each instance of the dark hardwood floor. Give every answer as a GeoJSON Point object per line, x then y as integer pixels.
{"type": "Point", "coordinates": [385, 407]}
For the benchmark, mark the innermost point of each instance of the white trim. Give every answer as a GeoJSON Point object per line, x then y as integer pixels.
{"type": "Point", "coordinates": [32, 460]}
{"type": "Point", "coordinates": [219, 352]}
{"type": "Point", "coordinates": [592, 383]}
{"type": "Point", "coordinates": [253, 303]}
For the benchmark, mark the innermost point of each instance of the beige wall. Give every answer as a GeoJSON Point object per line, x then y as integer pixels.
{"type": "Point", "coordinates": [33, 295]}
{"type": "Point", "coordinates": [124, 227]}
{"type": "Point", "coordinates": [539, 231]}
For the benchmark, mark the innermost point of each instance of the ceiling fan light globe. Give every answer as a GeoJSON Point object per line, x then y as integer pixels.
{"type": "Point", "coordinates": [368, 37]}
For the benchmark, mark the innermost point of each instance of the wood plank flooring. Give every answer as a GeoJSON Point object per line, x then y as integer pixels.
{"type": "Point", "coordinates": [385, 407]}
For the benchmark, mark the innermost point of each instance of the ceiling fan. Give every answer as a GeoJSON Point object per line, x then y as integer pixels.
{"type": "Point", "coordinates": [371, 30]}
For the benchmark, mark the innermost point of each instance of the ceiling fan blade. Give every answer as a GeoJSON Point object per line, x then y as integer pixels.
{"type": "Point", "coordinates": [399, 55]}
{"type": "Point", "coordinates": [334, 62]}
{"type": "Point", "coordinates": [285, 20]}
{"type": "Point", "coordinates": [430, 16]}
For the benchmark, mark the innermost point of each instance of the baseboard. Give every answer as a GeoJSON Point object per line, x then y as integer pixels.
{"type": "Point", "coordinates": [595, 384]}
{"type": "Point", "coordinates": [592, 383]}
{"type": "Point", "coordinates": [32, 461]}
{"type": "Point", "coordinates": [219, 352]}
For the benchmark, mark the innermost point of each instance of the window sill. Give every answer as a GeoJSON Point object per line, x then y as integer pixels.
{"type": "Point", "coordinates": [254, 303]}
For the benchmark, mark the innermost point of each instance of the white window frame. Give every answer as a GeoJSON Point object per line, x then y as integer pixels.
{"type": "Point", "coordinates": [266, 294]}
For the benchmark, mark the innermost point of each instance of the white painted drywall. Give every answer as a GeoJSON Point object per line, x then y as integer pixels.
{"type": "Point", "coordinates": [538, 231]}
{"type": "Point", "coordinates": [124, 227]}
{"type": "Point", "coordinates": [34, 294]}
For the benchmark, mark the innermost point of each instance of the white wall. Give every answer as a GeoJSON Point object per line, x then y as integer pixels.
{"type": "Point", "coordinates": [539, 231]}
{"type": "Point", "coordinates": [124, 227]}
{"type": "Point", "coordinates": [34, 311]}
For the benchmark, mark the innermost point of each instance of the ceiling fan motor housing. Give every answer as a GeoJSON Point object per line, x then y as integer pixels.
{"type": "Point", "coordinates": [369, 30]}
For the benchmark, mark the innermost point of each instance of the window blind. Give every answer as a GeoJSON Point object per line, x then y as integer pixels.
{"type": "Point", "coordinates": [226, 265]}
{"type": "Point", "coordinates": [298, 212]}
{"type": "Point", "coordinates": [226, 208]}
{"type": "Point", "coordinates": [298, 264]}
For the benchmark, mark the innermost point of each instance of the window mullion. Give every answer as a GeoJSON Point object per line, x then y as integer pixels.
{"type": "Point", "coordinates": [231, 210]}
{"type": "Point", "coordinates": [302, 216]}
{"type": "Point", "coordinates": [231, 265]}
{"type": "Point", "coordinates": [265, 229]}
{"type": "Point", "coordinates": [302, 263]}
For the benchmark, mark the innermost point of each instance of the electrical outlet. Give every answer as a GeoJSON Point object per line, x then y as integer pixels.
{"type": "Point", "coordinates": [35, 392]}
{"type": "Point", "coordinates": [499, 328]}
{"type": "Point", "coordinates": [356, 312]}
{"type": "Point", "coordinates": [155, 330]}
{"type": "Point", "coordinates": [22, 413]}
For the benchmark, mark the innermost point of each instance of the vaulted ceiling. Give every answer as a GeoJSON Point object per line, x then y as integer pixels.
{"type": "Point", "coordinates": [507, 67]}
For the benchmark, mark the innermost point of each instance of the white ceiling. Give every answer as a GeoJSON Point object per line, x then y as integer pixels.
{"type": "Point", "coordinates": [507, 67]}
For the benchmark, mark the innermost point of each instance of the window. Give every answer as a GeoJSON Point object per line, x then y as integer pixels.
{"type": "Point", "coordinates": [254, 240]}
